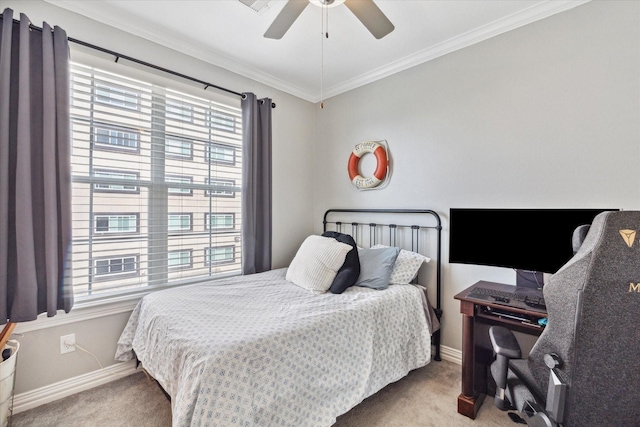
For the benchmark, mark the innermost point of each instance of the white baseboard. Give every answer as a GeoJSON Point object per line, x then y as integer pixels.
{"type": "Point", "coordinates": [40, 396]}
{"type": "Point", "coordinates": [451, 354]}
{"type": "Point", "coordinates": [52, 392]}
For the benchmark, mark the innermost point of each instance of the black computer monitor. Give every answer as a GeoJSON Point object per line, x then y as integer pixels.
{"type": "Point", "coordinates": [535, 240]}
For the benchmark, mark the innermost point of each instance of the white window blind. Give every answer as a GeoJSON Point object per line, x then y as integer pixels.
{"type": "Point", "coordinates": [157, 176]}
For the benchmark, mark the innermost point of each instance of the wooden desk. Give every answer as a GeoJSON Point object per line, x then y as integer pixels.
{"type": "Point", "coordinates": [477, 354]}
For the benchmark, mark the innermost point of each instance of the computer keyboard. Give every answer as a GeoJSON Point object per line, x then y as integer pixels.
{"type": "Point", "coordinates": [506, 296]}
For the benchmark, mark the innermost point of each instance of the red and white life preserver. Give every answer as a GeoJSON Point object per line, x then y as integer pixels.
{"type": "Point", "coordinates": [382, 165]}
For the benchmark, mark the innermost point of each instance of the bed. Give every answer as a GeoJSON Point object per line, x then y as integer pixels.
{"type": "Point", "coordinates": [260, 350]}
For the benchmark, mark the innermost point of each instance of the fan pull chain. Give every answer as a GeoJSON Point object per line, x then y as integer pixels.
{"type": "Point", "coordinates": [325, 34]}
{"type": "Point", "coordinates": [326, 11]}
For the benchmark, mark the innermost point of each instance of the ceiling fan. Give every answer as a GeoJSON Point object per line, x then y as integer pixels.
{"type": "Point", "coordinates": [365, 10]}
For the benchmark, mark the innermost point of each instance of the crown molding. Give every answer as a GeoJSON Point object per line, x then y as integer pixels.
{"type": "Point", "coordinates": [199, 52]}
{"type": "Point", "coordinates": [495, 28]}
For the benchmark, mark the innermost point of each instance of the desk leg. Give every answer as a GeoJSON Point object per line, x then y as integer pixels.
{"type": "Point", "coordinates": [468, 401]}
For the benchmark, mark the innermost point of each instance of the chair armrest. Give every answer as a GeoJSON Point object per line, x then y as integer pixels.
{"type": "Point", "coordinates": [506, 347]}
{"type": "Point", "coordinates": [504, 343]}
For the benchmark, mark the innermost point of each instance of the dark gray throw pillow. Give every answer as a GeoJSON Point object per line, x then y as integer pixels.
{"type": "Point", "coordinates": [350, 270]}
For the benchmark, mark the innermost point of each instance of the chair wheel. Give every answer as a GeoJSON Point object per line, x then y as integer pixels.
{"type": "Point", "coordinates": [516, 418]}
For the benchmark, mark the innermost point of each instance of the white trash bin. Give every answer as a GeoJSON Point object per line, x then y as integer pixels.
{"type": "Point", "coordinates": [7, 381]}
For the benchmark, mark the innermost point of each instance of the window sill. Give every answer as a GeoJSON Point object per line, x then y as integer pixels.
{"type": "Point", "coordinates": [89, 309]}
{"type": "Point", "coordinates": [81, 312]}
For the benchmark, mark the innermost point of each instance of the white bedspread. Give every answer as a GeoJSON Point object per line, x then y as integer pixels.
{"type": "Point", "coordinates": [260, 351]}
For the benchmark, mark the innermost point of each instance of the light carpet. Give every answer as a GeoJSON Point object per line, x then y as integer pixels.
{"type": "Point", "coordinates": [424, 398]}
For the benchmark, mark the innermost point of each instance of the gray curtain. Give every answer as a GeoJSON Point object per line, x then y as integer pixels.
{"type": "Point", "coordinates": [35, 171]}
{"type": "Point", "coordinates": [256, 189]}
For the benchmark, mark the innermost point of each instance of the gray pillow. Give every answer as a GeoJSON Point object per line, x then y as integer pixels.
{"type": "Point", "coordinates": [376, 265]}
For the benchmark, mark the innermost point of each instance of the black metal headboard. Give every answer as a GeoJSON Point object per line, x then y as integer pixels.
{"type": "Point", "coordinates": [415, 223]}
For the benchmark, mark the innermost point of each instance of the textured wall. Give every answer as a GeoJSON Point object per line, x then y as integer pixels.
{"type": "Point", "coordinates": [546, 115]}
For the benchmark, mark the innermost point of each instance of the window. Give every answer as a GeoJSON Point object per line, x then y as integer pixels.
{"type": "Point", "coordinates": [117, 96]}
{"type": "Point", "coordinates": [221, 121]}
{"type": "Point", "coordinates": [114, 181]}
{"type": "Point", "coordinates": [139, 150]}
{"type": "Point", "coordinates": [220, 154]}
{"type": "Point", "coordinates": [117, 139]}
{"type": "Point", "coordinates": [178, 147]}
{"type": "Point", "coordinates": [179, 222]}
{"type": "Point", "coordinates": [180, 259]}
{"type": "Point", "coordinates": [220, 187]}
{"type": "Point", "coordinates": [179, 191]}
{"type": "Point", "coordinates": [219, 221]}
{"type": "Point", "coordinates": [176, 110]}
{"type": "Point", "coordinates": [219, 255]}
{"type": "Point", "coordinates": [116, 223]}
{"type": "Point", "coordinates": [116, 267]}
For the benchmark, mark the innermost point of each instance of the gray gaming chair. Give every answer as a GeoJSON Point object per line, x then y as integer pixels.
{"type": "Point", "coordinates": [583, 370]}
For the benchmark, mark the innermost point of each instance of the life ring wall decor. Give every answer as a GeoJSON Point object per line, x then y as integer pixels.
{"type": "Point", "coordinates": [380, 175]}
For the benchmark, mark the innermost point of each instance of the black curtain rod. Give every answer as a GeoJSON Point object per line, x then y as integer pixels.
{"type": "Point", "coordinates": [146, 64]}
{"type": "Point", "coordinates": [155, 67]}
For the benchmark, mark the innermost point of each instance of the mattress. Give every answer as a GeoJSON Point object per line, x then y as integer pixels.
{"type": "Point", "coordinates": [257, 350]}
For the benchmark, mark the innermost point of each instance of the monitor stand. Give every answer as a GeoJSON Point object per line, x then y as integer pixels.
{"type": "Point", "coordinates": [529, 279]}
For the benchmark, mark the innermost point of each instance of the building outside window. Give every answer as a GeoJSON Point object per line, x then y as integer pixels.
{"type": "Point", "coordinates": [179, 190]}
{"type": "Point", "coordinates": [180, 259]}
{"type": "Point", "coordinates": [120, 223]}
{"type": "Point", "coordinates": [221, 187]}
{"type": "Point", "coordinates": [179, 148]}
{"type": "Point", "coordinates": [219, 255]}
{"type": "Point", "coordinates": [178, 110]}
{"type": "Point", "coordinates": [180, 222]}
{"type": "Point", "coordinates": [119, 182]}
{"type": "Point", "coordinates": [221, 121]}
{"type": "Point", "coordinates": [220, 154]}
{"type": "Point", "coordinates": [219, 221]}
{"type": "Point", "coordinates": [118, 96]}
{"type": "Point", "coordinates": [137, 149]}
{"type": "Point", "coordinates": [117, 266]}
{"type": "Point", "coordinates": [117, 139]}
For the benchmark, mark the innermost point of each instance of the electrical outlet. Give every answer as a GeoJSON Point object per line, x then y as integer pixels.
{"type": "Point", "coordinates": [67, 343]}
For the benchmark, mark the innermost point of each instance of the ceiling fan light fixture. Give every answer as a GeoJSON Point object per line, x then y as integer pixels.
{"type": "Point", "coordinates": [260, 6]}
{"type": "Point", "coordinates": [366, 11]}
{"type": "Point", "coordinates": [326, 3]}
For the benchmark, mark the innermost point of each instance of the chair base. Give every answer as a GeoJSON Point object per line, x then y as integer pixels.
{"type": "Point", "coordinates": [535, 416]}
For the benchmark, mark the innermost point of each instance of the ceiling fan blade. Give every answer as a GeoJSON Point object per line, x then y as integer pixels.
{"type": "Point", "coordinates": [286, 18]}
{"type": "Point", "coordinates": [371, 17]}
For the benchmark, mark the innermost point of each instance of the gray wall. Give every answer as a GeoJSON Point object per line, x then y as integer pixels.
{"type": "Point", "coordinates": [40, 362]}
{"type": "Point", "coordinates": [544, 116]}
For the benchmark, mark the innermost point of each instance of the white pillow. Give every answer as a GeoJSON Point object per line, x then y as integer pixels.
{"type": "Point", "coordinates": [406, 266]}
{"type": "Point", "coordinates": [317, 262]}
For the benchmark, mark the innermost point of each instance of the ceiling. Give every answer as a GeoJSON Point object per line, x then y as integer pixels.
{"type": "Point", "coordinates": [303, 63]}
